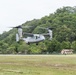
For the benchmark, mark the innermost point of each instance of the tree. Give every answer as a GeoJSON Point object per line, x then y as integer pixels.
{"type": "Point", "coordinates": [64, 33]}
{"type": "Point", "coordinates": [22, 48]}
{"type": "Point", "coordinates": [73, 46]}
{"type": "Point", "coordinates": [53, 46]}
{"type": "Point", "coordinates": [66, 45]}
{"type": "Point", "coordinates": [34, 49]}
{"type": "Point", "coordinates": [4, 47]}
{"type": "Point", "coordinates": [11, 50]}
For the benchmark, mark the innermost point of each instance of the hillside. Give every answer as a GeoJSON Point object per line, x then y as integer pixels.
{"type": "Point", "coordinates": [64, 34]}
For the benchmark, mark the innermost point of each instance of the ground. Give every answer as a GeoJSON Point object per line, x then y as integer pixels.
{"type": "Point", "coordinates": [37, 64]}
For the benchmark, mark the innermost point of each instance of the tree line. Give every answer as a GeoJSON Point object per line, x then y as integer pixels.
{"type": "Point", "coordinates": [63, 20]}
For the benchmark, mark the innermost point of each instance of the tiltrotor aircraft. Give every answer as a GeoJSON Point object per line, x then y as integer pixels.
{"type": "Point", "coordinates": [32, 38]}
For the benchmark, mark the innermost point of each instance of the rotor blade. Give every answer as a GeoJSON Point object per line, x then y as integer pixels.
{"type": "Point", "coordinates": [21, 26]}
{"type": "Point", "coordinates": [26, 26]}
{"type": "Point", "coordinates": [47, 28]}
{"type": "Point", "coordinates": [17, 26]}
{"type": "Point", "coordinates": [41, 27]}
{"type": "Point", "coordinates": [51, 28]}
{"type": "Point", "coordinates": [45, 34]}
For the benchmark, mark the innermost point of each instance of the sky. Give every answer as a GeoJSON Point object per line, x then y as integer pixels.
{"type": "Point", "coordinates": [17, 12]}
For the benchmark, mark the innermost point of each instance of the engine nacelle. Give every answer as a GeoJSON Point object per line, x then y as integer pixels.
{"type": "Point", "coordinates": [17, 37]}
{"type": "Point", "coordinates": [50, 34]}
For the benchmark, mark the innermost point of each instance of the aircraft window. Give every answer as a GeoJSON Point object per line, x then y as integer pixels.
{"type": "Point", "coordinates": [37, 37]}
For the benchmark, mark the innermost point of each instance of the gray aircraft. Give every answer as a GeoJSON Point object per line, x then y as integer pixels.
{"type": "Point", "coordinates": [32, 38]}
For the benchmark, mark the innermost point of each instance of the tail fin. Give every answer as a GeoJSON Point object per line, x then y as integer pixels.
{"type": "Point", "coordinates": [50, 33]}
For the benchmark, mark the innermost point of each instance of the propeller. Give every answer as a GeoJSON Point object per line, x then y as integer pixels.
{"type": "Point", "coordinates": [16, 27]}
{"type": "Point", "coordinates": [20, 26]}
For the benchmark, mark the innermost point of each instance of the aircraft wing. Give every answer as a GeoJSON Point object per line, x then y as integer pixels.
{"type": "Point", "coordinates": [45, 34]}
{"type": "Point", "coordinates": [28, 34]}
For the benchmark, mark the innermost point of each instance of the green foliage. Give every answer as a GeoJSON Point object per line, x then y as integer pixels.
{"type": "Point", "coordinates": [35, 50]}
{"type": "Point", "coordinates": [64, 33]}
{"type": "Point", "coordinates": [74, 45]}
{"type": "Point", "coordinates": [66, 45]}
{"type": "Point", "coordinates": [22, 48]}
{"type": "Point", "coordinates": [53, 46]}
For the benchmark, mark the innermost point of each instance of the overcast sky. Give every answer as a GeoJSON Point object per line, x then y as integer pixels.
{"type": "Point", "coordinates": [17, 12]}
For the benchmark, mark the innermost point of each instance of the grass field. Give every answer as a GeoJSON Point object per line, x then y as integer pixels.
{"type": "Point", "coordinates": [37, 64]}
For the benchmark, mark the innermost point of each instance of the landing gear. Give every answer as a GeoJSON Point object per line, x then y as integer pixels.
{"type": "Point", "coordinates": [28, 43]}
{"type": "Point", "coordinates": [36, 43]}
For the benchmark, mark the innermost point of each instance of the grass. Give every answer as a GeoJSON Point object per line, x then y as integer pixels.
{"type": "Point", "coordinates": [37, 64]}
